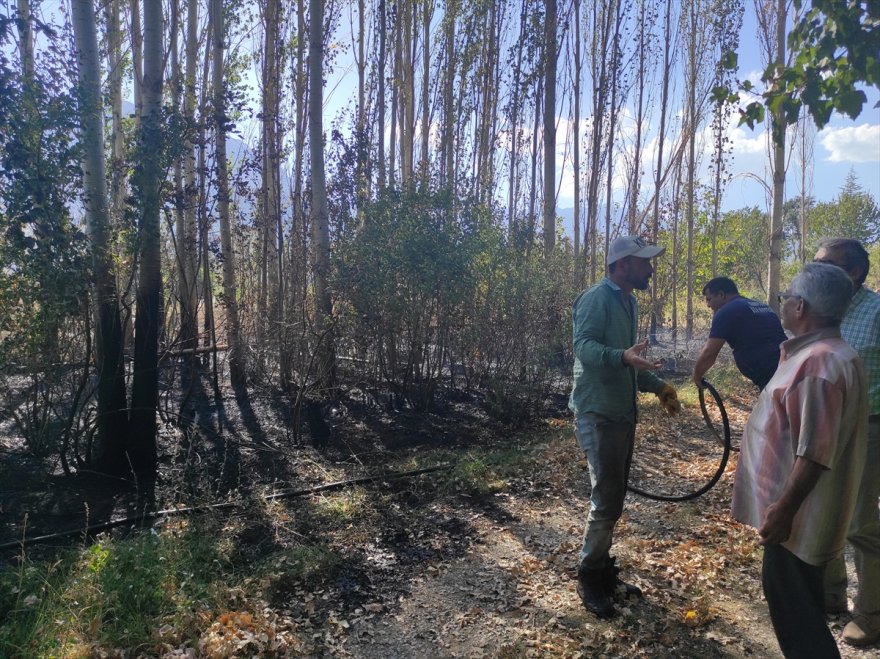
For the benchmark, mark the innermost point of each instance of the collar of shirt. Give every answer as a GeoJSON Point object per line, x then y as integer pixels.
{"type": "Point", "coordinates": [626, 300]}
{"type": "Point", "coordinates": [858, 297]}
{"type": "Point", "coordinates": [790, 347]}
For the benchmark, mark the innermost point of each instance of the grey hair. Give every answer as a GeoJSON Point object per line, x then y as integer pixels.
{"type": "Point", "coordinates": [826, 288]}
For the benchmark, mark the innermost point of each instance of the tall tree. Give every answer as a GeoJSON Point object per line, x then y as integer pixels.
{"type": "Point", "coordinates": [25, 40]}
{"type": "Point", "coordinates": [148, 318]}
{"type": "Point", "coordinates": [576, 140]}
{"type": "Point", "coordinates": [668, 54]}
{"type": "Point", "coordinates": [602, 18]}
{"type": "Point", "coordinates": [834, 48]}
{"type": "Point", "coordinates": [271, 229]}
{"type": "Point", "coordinates": [115, 65]}
{"type": "Point", "coordinates": [230, 293]}
{"type": "Point", "coordinates": [135, 31]}
{"type": "Point", "coordinates": [319, 209]}
{"type": "Point", "coordinates": [772, 16]}
{"type": "Point", "coordinates": [186, 228]}
{"type": "Point", "coordinates": [382, 21]}
{"type": "Point", "coordinates": [550, 54]}
{"type": "Point", "coordinates": [112, 419]}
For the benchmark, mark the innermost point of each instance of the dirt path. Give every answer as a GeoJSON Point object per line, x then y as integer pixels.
{"type": "Point", "coordinates": [436, 568]}
{"type": "Point", "coordinates": [512, 592]}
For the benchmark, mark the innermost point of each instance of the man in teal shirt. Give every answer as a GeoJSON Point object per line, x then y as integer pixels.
{"type": "Point", "coordinates": [610, 367]}
{"type": "Point", "coordinates": [861, 329]}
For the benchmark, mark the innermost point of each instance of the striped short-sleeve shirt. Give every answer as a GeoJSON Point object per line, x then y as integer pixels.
{"type": "Point", "coordinates": [861, 329]}
{"type": "Point", "coordinates": [814, 407]}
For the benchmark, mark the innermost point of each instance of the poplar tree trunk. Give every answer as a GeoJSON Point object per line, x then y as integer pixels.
{"type": "Point", "coordinates": [186, 230]}
{"type": "Point", "coordinates": [424, 172]}
{"type": "Point", "coordinates": [230, 300]}
{"type": "Point", "coordinates": [691, 127]}
{"type": "Point", "coordinates": [148, 317]}
{"type": "Point", "coordinates": [778, 127]}
{"type": "Point", "coordinates": [668, 44]}
{"type": "Point", "coordinates": [25, 39]}
{"type": "Point", "coordinates": [636, 177]}
{"type": "Point", "coordinates": [380, 95]}
{"type": "Point", "coordinates": [272, 276]}
{"type": "Point", "coordinates": [109, 453]}
{"type": "Point", "coordinates": [576, 150]}
{"type": "Point", "coordinates": [550, 128]}
{"type": "Point", "coordinates": [137, 56]}
{"type": "Point", "coordinates": [447, 149]}
{"type": "Point", "coordinates": [320, 212]}
{"type": "Point", "coordinates": [601, 24]}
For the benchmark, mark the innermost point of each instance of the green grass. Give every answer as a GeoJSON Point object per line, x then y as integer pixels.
{"type": "Point", "coordinates": [726, 378]}
{"type": "Point", "coordinates": [158, 587]}
{"type": "Point", "coordinates": [342, 506]}
{"type": "Point", "coordinates": [111, 594]}
{"type": "Point", "coordinates": [487, 471]}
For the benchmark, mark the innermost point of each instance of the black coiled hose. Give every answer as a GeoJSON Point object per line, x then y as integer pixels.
{"type": "Point", "coordinates": [725, 441]}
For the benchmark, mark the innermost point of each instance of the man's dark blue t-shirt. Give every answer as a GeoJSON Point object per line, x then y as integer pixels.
{"type": "Point", "coordinates": [754, 333]}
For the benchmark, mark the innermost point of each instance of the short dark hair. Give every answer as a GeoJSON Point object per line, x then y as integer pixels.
{"type": "Point", "coordinates": [852, 252]}
{"type": "Point", "coordinates": [720, 285]}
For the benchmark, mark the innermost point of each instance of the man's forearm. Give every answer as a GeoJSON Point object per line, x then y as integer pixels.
{"type": "Point", "coordinates": [703, 364]}
{"type": "Point", "coordinates": [779, 515]}
{"type": "Point", "coordinates": [800, 483]}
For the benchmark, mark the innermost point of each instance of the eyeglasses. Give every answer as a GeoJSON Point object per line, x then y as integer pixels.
{"type": "Point", "coordinates": [782, 297]}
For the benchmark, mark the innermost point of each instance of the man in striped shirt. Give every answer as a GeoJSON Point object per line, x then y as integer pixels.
{"type": "Point", "coordinates": [861, 329]}
{"type": "Point", "coordinates": [801, 459]}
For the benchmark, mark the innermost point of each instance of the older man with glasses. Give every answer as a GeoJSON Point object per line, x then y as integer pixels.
{"type": "Point", "coordinates": [861, 329]}
{"type": "Point", "coordinates": [801, 458]}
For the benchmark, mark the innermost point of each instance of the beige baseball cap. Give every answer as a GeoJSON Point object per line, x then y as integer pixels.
{"type": "Point", "coordinates": [632, 246]}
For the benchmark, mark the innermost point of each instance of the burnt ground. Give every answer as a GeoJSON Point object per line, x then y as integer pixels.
{"type": "Point", "coordinates": [472, 561]}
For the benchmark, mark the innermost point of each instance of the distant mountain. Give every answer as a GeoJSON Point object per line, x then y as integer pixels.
{"type": "Point", "coordinates": [567, 215]}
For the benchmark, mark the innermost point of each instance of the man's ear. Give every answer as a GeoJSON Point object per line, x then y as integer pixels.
{"type": "Point", "coordinates": [856, 274]}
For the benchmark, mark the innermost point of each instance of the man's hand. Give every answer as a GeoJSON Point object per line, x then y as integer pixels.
{"type": "Point", "coordinates": [776, 528]}
{"type": "Point", "coordinates": [669, 399]}
{"type": "Point", "coordinates": [779, 515]}
{"type": "Point", "coordinates": [635, 357]}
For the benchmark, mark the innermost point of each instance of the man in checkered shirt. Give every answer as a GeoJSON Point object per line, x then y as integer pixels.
{"type": "Point", "coordinates": [861, 329]}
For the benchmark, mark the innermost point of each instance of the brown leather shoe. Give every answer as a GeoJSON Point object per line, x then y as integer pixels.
{"type": "Point", "coordinates": [862, 630]}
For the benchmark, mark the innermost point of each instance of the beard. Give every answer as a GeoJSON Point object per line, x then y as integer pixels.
{"type": "Point", "coordinates": [641, 284]}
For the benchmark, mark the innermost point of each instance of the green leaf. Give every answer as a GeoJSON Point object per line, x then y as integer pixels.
{"type": "Point", "coordinates": [729, 60]}
{"type": "Point", "coordinates": [753, 113]}
{"type": "Point", "coordinates": [850, 102]}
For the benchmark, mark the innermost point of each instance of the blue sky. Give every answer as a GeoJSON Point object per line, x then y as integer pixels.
{"type": "Point", "coordinates": [843, 146]}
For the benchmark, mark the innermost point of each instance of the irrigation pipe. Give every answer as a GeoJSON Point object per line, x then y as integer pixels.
{"type": "Point", "coordinates": [724, 457]}
{"type": "Point", "coordinates": [190, 510]}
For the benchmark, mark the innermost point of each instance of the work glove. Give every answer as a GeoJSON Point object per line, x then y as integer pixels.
{"type": "Point", "coordinates": [669, 399]}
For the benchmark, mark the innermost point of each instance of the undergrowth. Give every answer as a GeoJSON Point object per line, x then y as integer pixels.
{"type": "Point", "coordinates": [142, 592]}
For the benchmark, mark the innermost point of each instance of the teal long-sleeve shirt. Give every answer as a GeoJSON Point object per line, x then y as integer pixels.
{"type": "Point", "coordinates": [603, 328]}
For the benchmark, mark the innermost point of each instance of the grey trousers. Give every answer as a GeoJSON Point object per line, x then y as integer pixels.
{"type": "Point", "coordinates": [863, 536]}
{"type": "Point", "coordinates": [608, 446]}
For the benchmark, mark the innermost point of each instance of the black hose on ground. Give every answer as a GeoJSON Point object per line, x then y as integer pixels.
{"type": "Point", "coordinates": [725, 441]}
{"type": "Point", "coordinates": [142, 519]}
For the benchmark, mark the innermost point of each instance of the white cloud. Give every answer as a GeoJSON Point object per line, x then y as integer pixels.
{"type": "Point", "coordinates": [852, 144]}
{"type": "Point", "coordinates": [747, 141]}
